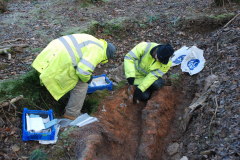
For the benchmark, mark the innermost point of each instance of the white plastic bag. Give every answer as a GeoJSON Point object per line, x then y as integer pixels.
{"type": "Point", "coordinates": [179, 55]}
{"type": "Point", "coordinates": [194, 61]}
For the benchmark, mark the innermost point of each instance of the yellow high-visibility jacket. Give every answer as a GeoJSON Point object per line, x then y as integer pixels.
{"type": "Point", "coordinates": [138, 63]}
{"type": "Point", "coordinates": [67, 59]}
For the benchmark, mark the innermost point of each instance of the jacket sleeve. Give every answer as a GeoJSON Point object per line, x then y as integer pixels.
{"type": "Point", "coordinates": [154, 75]}
{"type": "Point", "coordinates": [132, 56]}
{"type": "Point", "coordinates": [87, 63]}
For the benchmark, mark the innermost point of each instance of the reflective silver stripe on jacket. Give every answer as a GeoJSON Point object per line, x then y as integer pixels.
{"type": "Point", "coordinates": [145, 52]}
{"type": "Point", "coordinates": [81, 71]}
{"type": "Point", "coordinates": [133, 55]}
{"type": "Point", "coordinates": [155, 74]}
{"type": "Point", "coordinates": [85, 43]}
{"type": "Point", "coordinates": [159, 71]}
{"type": "Point", "coordinates": [139, 68]}
{"type": "Point", "coordinates": [70, 51]}
{"type": "Point", "coordinates": [142, 70]}
{"type": "Point", "coordinates": [78, 48]}
{"type": "Point", "coordinates": [87, 63]}
{"type": "Point", "coordinates": [127, 57]}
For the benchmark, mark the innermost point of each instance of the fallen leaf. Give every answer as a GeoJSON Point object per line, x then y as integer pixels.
{"type": "Point", "coordinates": [15, 148]}
{"type": "Point", "coordinates": [8, 129]}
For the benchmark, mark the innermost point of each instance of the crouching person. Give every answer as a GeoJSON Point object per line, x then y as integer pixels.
{"type": "Point", "coordinates": [67, 63]}
{"type": "Point", "coordinates": [144, 67]}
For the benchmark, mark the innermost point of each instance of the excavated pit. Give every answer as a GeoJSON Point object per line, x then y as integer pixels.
{"type": "Point", "coordinates": [128, 130]}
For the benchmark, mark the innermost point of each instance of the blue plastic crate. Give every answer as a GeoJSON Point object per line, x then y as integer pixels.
{"type": "Point", "coordinates": [94, 88]}
{"type": "Point", "coordinates": [37, 136]}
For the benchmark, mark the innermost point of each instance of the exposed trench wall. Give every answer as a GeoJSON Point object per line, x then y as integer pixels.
{"type": "Point", "coordinates": [127, 130]}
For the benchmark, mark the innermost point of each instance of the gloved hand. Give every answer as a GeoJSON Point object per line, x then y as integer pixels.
{"type": "Point", "coordinates": [131, 80]}
{"type": "Point", "coordinates": [137, 94]}
{"type": "Point", "coordinates": [90, 80]}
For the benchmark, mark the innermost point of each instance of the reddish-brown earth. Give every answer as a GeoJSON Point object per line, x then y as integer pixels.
{"type": "Point", "coordinates": [128, 130]}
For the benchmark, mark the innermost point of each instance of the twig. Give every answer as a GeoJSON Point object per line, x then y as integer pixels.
{"type": "Point", "coordinates": [231, 20]}
{"type": "Point", "coordinates": [38, 107]}
{"type": "Point", "coordinates": [44, 101]}
{"type": "Point", "coordinates": [6, 116]}
{"type": "Point", "coordinates": [229, 3]}
{"type": "Point", "coordinates": [68, 154]}
{"type": "Point", "coordinates": [18, 39]}
{"type": "Point", "coordinates": [1, 119]}
{"type": "Point", "coordinates": [16, 155]}
{"type": "Point", "coordinates": [3, 104]}
{"type": "Point", "coordinates": [214, 115]}
{"type": "Point", "coordinates": [15, 45]}
{"type": "Point", "coordinates": [216, 59]}
{"type": "Point", "coordinates": [12, 105]}
{"type": "Point", "coordinates": [10, 114]}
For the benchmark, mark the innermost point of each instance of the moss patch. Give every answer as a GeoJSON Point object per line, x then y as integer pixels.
{"type": "Point", "coordinates": [36, 97]}
{"type": "Point", "coordinates": [91, 103]}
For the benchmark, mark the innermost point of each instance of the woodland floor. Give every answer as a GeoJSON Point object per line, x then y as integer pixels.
{"type": "Point", "coordinates": [213, 132]}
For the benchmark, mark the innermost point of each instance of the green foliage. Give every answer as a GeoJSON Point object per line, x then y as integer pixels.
{"type": "Point", "coordinates": [91, 104]}
{"type": "Point", "coordinates": [107, 32]}
{"type": "Point", "coordinates": [36, 50]}
{"type": "Point", "coordinates": [221, 16]}
{"type": "Point", "coordinates": [93, 1]}
{"type": "Point", "coordinates": [23, 85]}
{"type": "Point", "coordinates": [120, 84]}
{"type": "Point", "coordinates": [34, 94]}
{"type": "Point", "coordinates": [64, 134]}
{"type": "Point", "coordinates": [114, 26]}
{"type": "Point", "coordinates": [84, 5]}
{"type": "Point", "coordinates": [89, 28]}
{"type": "Point", "coordinates": [142, 25]}
{"type": "Point", "coordinates": [175, 79]}
{"type": "Point", "coordinates": [38, 154]}
{"type": "Point", "coordinates": [149, 19]}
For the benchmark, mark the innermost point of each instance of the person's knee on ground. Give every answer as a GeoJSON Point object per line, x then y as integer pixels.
{"type": "Point", "coordinates": [145, 96]}
{"type": "Point", "coordinates": [157, 84]}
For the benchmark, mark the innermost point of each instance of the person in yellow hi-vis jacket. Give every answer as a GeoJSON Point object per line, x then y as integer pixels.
{"type": "Point", "coordinates": [145, 65]}
{"type": "Point", "coordinates": [67, 63]}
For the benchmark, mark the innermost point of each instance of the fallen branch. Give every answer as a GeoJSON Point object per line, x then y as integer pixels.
{"type": "Point", "coordinates": [3, 104]}
{"type": "Point", "coordinates": [18, 39]}
{"type": "Point", "coordinates": [5, 50]}
{"type": "Point", "coordinates": [215, 59]}
{"type": "Point", "coordinates": [214, 115]}
{"type": "Point", "coordinates": [6, 117]}
{"type": "Point", "coordinates": [15, 45]}
{"type": "Point", "coordinates": [231, 20]}
{"type": "Point", "coordinates": [200, 100]}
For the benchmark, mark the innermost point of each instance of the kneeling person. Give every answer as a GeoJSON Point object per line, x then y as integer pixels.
{"type": "Point", "coordinates": [145, 65]}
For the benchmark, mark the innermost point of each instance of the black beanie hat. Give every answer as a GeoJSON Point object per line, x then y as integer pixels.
{"type": "Point", "coordinates": [164, 52]}
{"type": "Point", "coordinates": [111, 50]}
